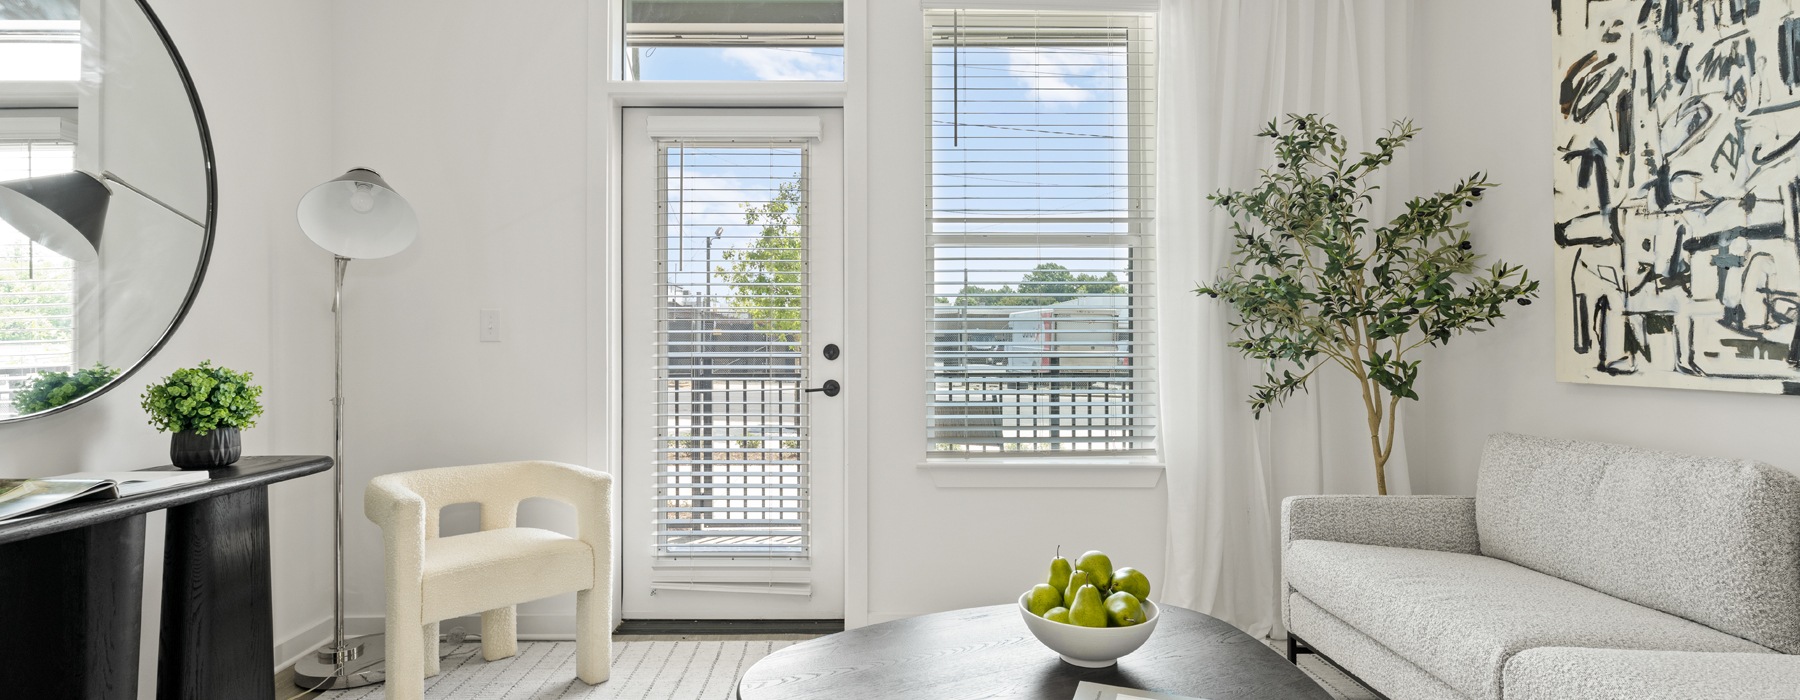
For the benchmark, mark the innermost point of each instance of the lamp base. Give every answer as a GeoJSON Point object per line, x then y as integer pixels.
{"type": "Point", "coordinates": [365, 663]}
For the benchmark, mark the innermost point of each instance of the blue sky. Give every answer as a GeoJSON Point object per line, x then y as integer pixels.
{"type": "Point", "coordinates": [741, 63]}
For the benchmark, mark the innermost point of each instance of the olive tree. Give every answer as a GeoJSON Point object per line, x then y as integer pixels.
{"type": "Point", "coordinates": [1314, 283]}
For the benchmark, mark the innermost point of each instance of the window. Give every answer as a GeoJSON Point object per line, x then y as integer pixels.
{"type": "Point", "coordinates": [37, 286]}
{"type": "Point", "coordinates": [40, 40]}
{"type": "Point", "coordinates": [732, 424]}
{"type": "Point", "coordinates": [734, 40]}
{"type": "Point", "coordinates": [1040, 232]}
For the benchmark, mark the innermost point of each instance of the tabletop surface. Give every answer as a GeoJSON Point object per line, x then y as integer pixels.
{"type": "Point", "coordinates": [246, 473]}
{"type": "Point", "coordinates": [988, 653]}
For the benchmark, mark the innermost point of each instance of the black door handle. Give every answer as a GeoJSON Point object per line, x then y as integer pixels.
{"type": "Point", "coordinates": [831, 388]}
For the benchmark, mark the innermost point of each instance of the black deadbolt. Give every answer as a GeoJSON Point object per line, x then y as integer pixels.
{"type": "Point", "coordinates": [831, 388]}
{"type": "Point", "coordinates": [831, 351]}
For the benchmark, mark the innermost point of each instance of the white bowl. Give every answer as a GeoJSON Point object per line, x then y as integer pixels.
{"type": "Point", "coordinates": [1089, 647]}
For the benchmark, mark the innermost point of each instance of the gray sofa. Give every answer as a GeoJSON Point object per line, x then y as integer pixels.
{"type": "Point", "coordinates": [1578, 571]}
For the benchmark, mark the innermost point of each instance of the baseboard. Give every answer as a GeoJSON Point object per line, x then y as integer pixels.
{"type": "Point", "coordinates": [729, 627]}
{"type": "Point", "coordinates": [876, 618]}
{"type": "Point", "coordinates": [537, 628]}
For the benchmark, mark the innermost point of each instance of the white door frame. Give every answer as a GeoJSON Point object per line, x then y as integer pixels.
{"type": "Point", "coordinates": [606, 100]}
{"type": "Point", "coordinates": [659, 588]}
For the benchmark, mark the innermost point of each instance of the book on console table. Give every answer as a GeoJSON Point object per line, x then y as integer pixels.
{"type": "Point", "coordinates": [1089, 690]}
{"type": "Point", "coordinates": [21, 497]}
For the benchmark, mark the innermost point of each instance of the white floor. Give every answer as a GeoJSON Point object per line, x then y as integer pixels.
{"type": "Point", "coordinates": [656, 668]}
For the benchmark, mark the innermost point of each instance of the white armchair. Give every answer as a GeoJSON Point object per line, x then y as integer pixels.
{"type": "Point", "coordinates": [432, 578]}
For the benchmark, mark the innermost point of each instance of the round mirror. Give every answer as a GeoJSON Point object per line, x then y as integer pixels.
{"type": "Point", "coordinates": [107, 198]}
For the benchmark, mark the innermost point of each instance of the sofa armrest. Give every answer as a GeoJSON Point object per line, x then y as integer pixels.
{"type": "Point", "coordinates": [1567, 673]}
{"type": "Point", "coordinates": [1443, 523]}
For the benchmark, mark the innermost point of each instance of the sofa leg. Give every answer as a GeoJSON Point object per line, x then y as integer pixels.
{"type": "Point", "coordinates": [1295, 647]}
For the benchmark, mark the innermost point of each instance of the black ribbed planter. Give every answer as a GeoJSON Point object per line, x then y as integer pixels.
{"type": "Point", "coordinates": [218, 448]}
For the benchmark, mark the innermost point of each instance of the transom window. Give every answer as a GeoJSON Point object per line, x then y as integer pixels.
{"type": "Point", "coordinates": [734, 39]}
{"type": "Point", "coordinates": [1040, 233]}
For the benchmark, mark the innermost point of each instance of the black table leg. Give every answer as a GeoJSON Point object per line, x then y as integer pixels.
{"type": "Point", "coordinates": [71, 610]}
{"type": "Point", "coordinates": [217, 616]}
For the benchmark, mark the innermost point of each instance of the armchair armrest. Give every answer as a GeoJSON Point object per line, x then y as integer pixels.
{"type": "Point", "coordinates": [1443, 523]}
{"type": "Point", "coordinates": [1567, 673]}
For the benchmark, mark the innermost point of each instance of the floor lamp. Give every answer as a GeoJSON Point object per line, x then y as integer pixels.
{"type": "Point", "coordinates": [355, 217]}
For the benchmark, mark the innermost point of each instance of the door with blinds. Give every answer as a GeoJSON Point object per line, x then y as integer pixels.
{"type": "Point", "coordinates": [731, 495]}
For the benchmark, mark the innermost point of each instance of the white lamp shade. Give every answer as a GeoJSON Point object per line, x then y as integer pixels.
{"type": "Point", "coordinates": [358, 216]}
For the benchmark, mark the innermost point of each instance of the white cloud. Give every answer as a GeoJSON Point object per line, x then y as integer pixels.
{"type": "Point", "coordinates": [787, 64]}
{"type": "Point", "coordinates": [1048, 72]}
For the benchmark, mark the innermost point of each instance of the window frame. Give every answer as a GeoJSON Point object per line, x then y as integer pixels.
{"type": "Point", "coordinates": [1140, 467]}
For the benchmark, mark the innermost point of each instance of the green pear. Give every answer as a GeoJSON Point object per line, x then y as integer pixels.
{"type": "Point", "coordinates": [1131, 581]}
{"type": "Point", "coordinates": [1098, 567]}
{"type": "Point", "coordinates": [1058, 615]}
{"type": "Point", "coordinates": [1123, 610]}
{"type": "Point", "coordinates": [1088, 611]}
{"type": "Point", "coordinates": [1059, 573]}
{"type": "Point", "coordinates": [1076, 581]}
{"type": "Point", "coordinates": [1042, 598]}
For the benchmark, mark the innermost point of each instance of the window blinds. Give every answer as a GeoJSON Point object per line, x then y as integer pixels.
{"type": "Point", "coordinates": [1041, 186]}
{"type": "Point", "coordinates": [732, 444]}
{"type": "Point", "coordinates": [37, 286]}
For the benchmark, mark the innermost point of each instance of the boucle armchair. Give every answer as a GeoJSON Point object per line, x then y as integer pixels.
{"type": "Point", "coordinates": [432, 578]}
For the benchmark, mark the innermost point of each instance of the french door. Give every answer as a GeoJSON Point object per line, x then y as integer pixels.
{"type": "Point", "coordinates": [732, 476]}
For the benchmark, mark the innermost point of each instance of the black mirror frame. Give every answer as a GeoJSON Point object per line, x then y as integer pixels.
{"type": "Point", "coordinates": [206, 243]}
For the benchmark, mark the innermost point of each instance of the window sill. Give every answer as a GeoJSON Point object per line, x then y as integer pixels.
{"type": "Point", "coordinates": [1044, 474]}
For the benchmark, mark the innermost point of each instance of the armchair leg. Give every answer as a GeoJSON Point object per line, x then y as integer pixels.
{"type": "Point", "coordinates": [500, 633]}
{"type": "Point", "coordinates": [405, 662]}
{"type": "Point", "coordinates": [593, 635]}
{"type": "Point", "coordinates": [429, 642]}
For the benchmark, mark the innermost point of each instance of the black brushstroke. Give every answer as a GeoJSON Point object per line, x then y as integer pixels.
{"type": "Point", "coordinates": [1743, 10]}
{"type": "Point", "coordinates": [1721, 239]}
{"type": "Point", "coordinates": [1602, 309]}
{"type": "Point", "coordinates": [1556, 8]}
{"type": "Point", "coordinates": [1787, 38]}
{"type": "Point", "coordinates": [1588, 85]}
{"type": "Point", "coordinates": [1671, 21]}
{"type": "Point", "coordinates": [1757, 156]}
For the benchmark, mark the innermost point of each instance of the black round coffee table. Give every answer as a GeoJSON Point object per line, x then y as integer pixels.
{"type": "Point", "coordinates": [988, 653]}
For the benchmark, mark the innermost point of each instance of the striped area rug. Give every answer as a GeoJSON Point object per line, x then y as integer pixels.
{"type": "Point", "coordinates": [641, 670]}
{"type": "Point", "coordinates": [671, 668]}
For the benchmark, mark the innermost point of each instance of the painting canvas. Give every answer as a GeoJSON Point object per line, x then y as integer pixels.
{"type": "Point", "coordinates": [1677, 203]}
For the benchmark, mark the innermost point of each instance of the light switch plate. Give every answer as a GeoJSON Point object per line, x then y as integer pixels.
{"type": "Point", "coordinates": [490, 325]}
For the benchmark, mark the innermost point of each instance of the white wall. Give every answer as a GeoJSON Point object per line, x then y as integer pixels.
{"type": "Point", "coordinates": [1489, 94]}
{"type": "Point", "coordinates": [475, 113]}
{"type": "Point", "coordinates": [479, 118]}
{"type": "Point", "coordinates": [262, 78]}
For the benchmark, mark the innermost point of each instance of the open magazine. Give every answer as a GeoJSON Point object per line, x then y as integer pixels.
{"type": "Point", "coordinates": [1089, 690]}
{"type": "Point", "coordinates": [19, 497]}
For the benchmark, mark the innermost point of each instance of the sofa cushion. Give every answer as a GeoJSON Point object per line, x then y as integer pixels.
{"type": "Point", "coordinates": [1353, 651]}
{"type": "Point", "coordinates": [1557, 673]}
{"type": "Point", "coordinates": [1713, 540]}
{"type": "Point", "coordinates": [1460, 617]}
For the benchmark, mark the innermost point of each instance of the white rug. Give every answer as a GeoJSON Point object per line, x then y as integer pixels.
{"type": "Point", "coordinates": [667, 669]}
{"type": "Point", "coordinates": [641, 670]}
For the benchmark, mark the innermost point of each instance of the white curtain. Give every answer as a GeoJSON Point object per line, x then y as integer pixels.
{"type": "Point", "coordinates": [1227, 67]}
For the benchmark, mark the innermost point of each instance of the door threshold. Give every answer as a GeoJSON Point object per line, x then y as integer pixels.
{"type": "Point", "coordinates": [729, 627]}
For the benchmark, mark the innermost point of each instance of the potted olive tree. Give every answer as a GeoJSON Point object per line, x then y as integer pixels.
{"type": "Point", "coordinates": [1315, 284]}
{"type": "Point", "coordinates": [204, 407]}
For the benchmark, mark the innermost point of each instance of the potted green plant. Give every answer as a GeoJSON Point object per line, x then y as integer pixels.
{"type": "Point", "coordinates": [204, 407]}
{"type": "Point", "coordinates": [1315, 283]}
{"type": "Point", "coordinates": [47, 390]}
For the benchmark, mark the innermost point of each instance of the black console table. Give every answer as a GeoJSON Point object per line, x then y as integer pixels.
{"type": "Point", "coordinates": [71, 591]}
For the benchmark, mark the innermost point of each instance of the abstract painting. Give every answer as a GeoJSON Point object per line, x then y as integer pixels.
{"type": "Point", "coordinates": [1677, 203]}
